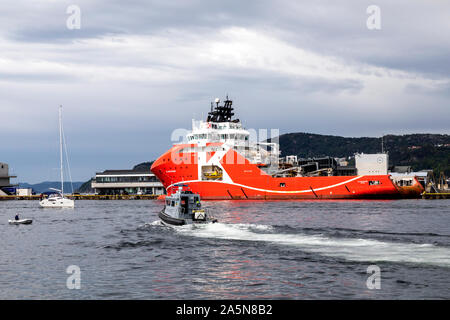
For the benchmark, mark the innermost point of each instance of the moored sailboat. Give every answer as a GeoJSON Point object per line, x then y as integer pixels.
{"type": "Point", "coordinates": [58, 200]}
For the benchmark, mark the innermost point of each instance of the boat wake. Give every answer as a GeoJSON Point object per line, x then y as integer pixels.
{"type": "Point", "coordinates": [352, 249]}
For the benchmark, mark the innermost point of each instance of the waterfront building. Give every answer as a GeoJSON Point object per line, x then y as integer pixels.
{"type": "Point", "coordinates": [112, 182]}
{"type": "Point", "coordinates": [5, 180]}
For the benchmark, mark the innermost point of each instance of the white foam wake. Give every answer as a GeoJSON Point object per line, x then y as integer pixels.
{"type": "Point", "coordinates": [155, 223]}
{"type": "Point", "coordinates": [349, 249]}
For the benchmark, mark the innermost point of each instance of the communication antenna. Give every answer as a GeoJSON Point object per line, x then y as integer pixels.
{"type": "Point", "coordinates": [382, 144]}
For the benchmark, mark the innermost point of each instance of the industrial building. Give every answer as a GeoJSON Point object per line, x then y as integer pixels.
{"type": "Point", "coordinates": [114, 182]}
{"type": "Point", "coordinates": [5, 180]}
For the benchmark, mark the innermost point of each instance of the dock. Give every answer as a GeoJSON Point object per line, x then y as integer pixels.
{"type": "Point", "coordinates": [89, 197]}
{"type": "Point", "coordinates": [436, 195]}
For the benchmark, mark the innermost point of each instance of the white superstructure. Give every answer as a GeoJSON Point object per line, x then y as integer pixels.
{"type": "Point", "coordinates": [219, 128]}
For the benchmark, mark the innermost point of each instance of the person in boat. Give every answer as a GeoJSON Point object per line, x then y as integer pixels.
{"type": "Point", "coordinates": [16, 217]}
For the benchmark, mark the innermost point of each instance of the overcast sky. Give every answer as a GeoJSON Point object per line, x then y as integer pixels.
{"type": "Point", "coordinates": [133, 73]}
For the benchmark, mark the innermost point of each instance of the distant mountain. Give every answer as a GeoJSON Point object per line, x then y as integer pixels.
{"type": "Point", "coordinates": [420, 151]}
{"type": "Point", "coordinates": [45, 186]}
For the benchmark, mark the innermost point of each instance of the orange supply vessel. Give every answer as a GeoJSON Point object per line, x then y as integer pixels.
{"type": "Point", "coordinates": [220, 162]}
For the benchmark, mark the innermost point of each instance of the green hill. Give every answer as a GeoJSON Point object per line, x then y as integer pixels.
{"type": "Point", "coordinates": [420, 151]}
{"type": "Point", "coordinates": [85, 187]}
{"type": "Point", "coordinates": [144, 166]}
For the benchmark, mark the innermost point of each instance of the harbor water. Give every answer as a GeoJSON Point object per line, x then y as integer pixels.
{"type": "Point", "coordinates": [258, 250]}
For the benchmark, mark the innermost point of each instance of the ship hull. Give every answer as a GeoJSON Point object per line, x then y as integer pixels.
{"type": "Point", "coordinates": [246, 181]}
{"type": "Point", "coordinates": [413, 191]}
{"type": "Point", "coordinates": [305, 188]}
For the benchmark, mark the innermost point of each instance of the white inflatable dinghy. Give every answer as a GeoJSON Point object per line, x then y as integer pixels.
{"type": "Point", "coordinates": [21, 221]}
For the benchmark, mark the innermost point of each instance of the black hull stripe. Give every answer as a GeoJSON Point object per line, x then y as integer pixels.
{"type": "Point", "coordinates": [164, 217]}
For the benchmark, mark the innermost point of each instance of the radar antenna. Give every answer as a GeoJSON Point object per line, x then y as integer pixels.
{"type": "Point", "coordinates": [222, 113]}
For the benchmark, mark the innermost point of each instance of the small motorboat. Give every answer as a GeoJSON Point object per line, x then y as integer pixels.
{"type": "Point", "coordinates": [21, 221]}
{"type": "Point", "coordinates": [184, 207]}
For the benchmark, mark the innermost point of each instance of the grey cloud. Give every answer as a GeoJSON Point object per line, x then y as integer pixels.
{"type": "Point", "coordinates": [37, 77]}
{"type": "Point", "coordinates": [442, 89]}
{"type": "Point", "coordinates": [414, 35]}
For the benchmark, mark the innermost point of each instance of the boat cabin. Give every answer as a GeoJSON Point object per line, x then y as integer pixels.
{"type": "Point", "coordinates": [183, 202]}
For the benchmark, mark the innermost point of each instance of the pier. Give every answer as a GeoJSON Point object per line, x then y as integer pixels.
{"type": "Point", "coordinates": [436, 195]}
{"type": "Point", "coordinates": [89, 197]}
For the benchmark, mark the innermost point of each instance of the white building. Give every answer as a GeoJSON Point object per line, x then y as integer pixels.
{"type": "Point", "coordinates": [126, 182]}
{"type": "Point", "coordinates": [24, 192]}
{"type": "Point", "coordinates": [371, 164]}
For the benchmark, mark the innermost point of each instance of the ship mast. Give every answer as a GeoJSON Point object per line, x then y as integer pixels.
{"type": "Point", "coordinates": [221, 113]}
{"type": "Point", "coordinates": [60, 150]}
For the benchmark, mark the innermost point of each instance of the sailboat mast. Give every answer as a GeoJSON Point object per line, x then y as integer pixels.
{"type": "Point", "coordinates": [60, 150]}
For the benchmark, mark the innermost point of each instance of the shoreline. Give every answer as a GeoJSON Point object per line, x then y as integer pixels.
{"type": "Point", "coordinates": [87, 197]}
